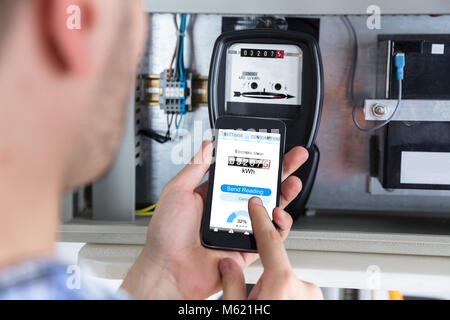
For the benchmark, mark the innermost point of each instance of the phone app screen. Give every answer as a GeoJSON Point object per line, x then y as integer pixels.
{"type": "Point", "coordinates": [247, 165]}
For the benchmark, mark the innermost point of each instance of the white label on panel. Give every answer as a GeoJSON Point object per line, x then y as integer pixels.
{"type": "Point", "coordinates": [425, 168]}
{"type": "Point", "coordinates": [437, 48]}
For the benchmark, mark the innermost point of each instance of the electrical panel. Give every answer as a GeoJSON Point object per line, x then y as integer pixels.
{"type": "Point", "coordinates": [414, 149]}
{"type": "Point", "coordinates": [350, 209]}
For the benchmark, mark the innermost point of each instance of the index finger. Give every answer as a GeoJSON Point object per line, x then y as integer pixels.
{"type": "Point", "coordinates": [193, 173]}
{"type": "Point", "coordinates": [270, 245]}
{"type": "Point", "coordinates": [293, 160]}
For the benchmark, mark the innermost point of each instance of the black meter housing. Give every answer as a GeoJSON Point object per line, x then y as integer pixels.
{"type": "Point", "coordinates": [299, 104]}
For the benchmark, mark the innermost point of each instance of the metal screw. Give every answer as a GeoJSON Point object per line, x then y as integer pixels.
{"type": "Point", "coordinates": [379, 110]}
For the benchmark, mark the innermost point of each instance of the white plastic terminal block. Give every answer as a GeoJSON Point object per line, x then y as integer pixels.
{"type": "Point", "coordinates": [174, 93]}
{"type": "Point", "coordinates": [175, 96]}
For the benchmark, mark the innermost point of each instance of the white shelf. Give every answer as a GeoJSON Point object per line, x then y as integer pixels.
{"type": "Point", "coordinates": [331, 269]}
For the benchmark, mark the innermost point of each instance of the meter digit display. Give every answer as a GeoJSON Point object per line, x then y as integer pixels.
{"type": "Point", "coordinates": [262, 53]}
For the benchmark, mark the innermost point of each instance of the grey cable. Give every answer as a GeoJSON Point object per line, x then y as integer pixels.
{"type": "Point", "coordinates": [352, 84]}
{"type": "Point", "coordinates": [354, 58]}
{"type": "Point", "coordinates": [175, 22]}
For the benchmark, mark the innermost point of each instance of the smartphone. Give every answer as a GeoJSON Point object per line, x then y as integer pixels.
{"type": "Point", "coordinates": [247, 162]}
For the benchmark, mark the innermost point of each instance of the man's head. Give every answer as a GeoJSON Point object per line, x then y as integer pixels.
{"type": "Point", "coordinates": [63, 90]}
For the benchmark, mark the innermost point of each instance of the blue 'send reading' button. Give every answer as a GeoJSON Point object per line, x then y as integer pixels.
{"type": "Point", "coordinates": [262, 192]}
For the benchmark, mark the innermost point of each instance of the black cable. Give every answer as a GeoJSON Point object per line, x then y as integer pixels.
{"type": "Point", "coordinates": [149, 133]}
{"type": "Point", "coordinates": [169, 126]}
{"type": "Point", "coordinates": [171, 120]}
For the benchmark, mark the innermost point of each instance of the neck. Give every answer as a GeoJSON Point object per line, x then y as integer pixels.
{"type": "Point", "coordinates": [29, 211]}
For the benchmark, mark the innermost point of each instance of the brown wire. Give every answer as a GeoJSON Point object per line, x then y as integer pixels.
{"type": "Point", "coordinates": [171, 64]}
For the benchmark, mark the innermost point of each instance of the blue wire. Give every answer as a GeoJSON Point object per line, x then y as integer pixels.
{"type": "Point", "coordinates": [179, 122]}
{"type": "Point", "coordinates": [178, 127]}
{"type": "Point", "coordinates": [180, 61]}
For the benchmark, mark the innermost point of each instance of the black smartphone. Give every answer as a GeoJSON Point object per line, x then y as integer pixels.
{"type": "Point", "coordinates": [248, 158]}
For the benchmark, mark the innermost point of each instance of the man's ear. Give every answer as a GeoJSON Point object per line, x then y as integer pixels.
{"type": "Point", "coordinates": [66, 27]}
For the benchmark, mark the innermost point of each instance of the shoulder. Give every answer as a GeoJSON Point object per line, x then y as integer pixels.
{"type": "Point", "coordinates": [50, 280]}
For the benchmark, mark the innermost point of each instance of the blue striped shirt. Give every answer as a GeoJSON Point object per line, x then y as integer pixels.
{"type": "Point", "coordinates": [49, 280]}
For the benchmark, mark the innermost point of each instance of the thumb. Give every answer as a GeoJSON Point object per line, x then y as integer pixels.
{"type": "Point", "coordinates": [194, 172]}
{"type": "Point", "coordinates": [233, 281]}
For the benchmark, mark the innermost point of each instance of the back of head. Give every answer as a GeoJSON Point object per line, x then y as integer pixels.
{"type": "Point", "coordinates": [66, 67]}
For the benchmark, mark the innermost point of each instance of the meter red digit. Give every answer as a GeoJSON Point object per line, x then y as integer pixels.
{"type": "Point", "coordinates": [280, 54]}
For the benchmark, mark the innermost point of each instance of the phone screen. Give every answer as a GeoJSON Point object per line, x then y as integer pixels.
{"type": "Point", "coordinates": [246, 165]}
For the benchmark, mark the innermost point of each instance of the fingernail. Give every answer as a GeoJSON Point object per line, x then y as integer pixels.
{"type": "Point", "coordinates": [205, 143]}
{"type": "Point", "coordinates": [205, 153]}
{"type": "Point", "coordinates": [256, 201]}
{"type": "Point", "coordinates": [224, 266]}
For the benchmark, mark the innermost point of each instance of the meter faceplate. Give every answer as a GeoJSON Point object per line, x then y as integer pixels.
{"type": "Point", "coordinates": [264, 73]}
{"type": "Point", "coordinates": [285, 84]}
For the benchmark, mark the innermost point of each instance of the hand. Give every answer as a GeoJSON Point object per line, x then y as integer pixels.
{"type": "Point", "coordinates": [173, 263]}
{"type": "Point", "coordinates": [278, 280]}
